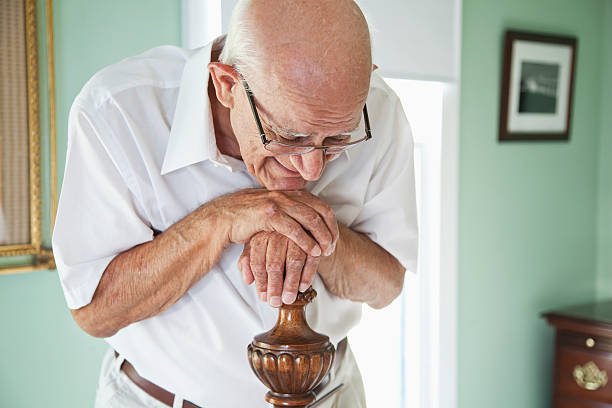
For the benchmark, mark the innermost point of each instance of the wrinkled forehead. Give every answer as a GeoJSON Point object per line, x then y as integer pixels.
{"type": "Point", "coordinates": [296, 110]}
{"type": "Point", "coordinates": [296, 73]}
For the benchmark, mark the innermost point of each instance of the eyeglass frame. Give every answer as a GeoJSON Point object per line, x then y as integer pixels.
{"type": "Point", "coordinates": [267, 141]}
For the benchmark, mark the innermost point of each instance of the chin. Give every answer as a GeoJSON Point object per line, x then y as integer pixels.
{"type": "Point", "coordinates": [294, 183]}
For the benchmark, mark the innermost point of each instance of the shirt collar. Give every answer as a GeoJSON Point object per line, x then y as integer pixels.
{"type": "Point", "coordinates": [192, 135]}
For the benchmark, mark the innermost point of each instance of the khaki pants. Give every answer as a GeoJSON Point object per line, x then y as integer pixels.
{"type": "Point", "coordinates": [116, 390]}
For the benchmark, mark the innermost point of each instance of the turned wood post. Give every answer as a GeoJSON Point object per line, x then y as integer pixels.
{"type": "Point", "coordinates": [291, 359]}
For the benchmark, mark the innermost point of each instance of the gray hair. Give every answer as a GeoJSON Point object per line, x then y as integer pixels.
{"type": "Point", "coordinates": [239, 48]}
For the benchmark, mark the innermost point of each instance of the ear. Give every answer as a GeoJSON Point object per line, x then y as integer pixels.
{"type": "Point", "coordinates": [224, 77]}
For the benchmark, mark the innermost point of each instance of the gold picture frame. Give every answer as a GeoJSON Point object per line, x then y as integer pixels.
{"type": "Point", "coordinates": [40, 257]}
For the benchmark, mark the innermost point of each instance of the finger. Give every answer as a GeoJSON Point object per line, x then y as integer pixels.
{"type": "Point", "coordinates": [257, 257]}
{"type": "Point", "coordinates": [294, 265]}
{"type": "Point", "coordinates": [284, 224]}
{"type": "Point", "coordinates": [275, 265]}
{"type": "Point", "coordinates": [312, 221]}
{"type": "Point", "coordinates": [244, 265]}
{"type": "Point", "coordinates": [323, 209]}
{"type": "Point", "coordinates": [308, 274]}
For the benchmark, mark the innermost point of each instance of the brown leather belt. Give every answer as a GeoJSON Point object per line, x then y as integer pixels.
{"type": "Point", "coordinates": [147, 386]}
{"type": "Point", "coordinates": [167, 397]}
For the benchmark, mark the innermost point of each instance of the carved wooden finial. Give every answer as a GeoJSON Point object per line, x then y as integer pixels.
{"type": "Point", "coordinates": [291, 359]}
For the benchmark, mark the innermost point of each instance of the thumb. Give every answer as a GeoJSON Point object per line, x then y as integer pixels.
{"type": "Point", "coordinates": [244, 264]}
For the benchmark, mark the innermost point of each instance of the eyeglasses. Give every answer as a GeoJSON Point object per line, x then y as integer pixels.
{"type": "Point", "coordinates": [335, 144]}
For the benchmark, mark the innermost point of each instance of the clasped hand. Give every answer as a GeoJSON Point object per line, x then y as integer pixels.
{"type": "Point", "coordinates": [284, 234]}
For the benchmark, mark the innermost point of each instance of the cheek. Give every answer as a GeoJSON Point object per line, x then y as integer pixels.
{"type": "Point", "coordinates": [251, 149]}
{"type": "Point", "coordinates": [253, 155]}
{"type": "Point", "coordinates": [245, 132]}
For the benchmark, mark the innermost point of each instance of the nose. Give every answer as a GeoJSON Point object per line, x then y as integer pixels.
{"type": "Point", "coordinates": [310, 165]}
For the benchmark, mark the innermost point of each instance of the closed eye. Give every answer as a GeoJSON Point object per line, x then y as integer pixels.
{"type": "Point", "coordinates": [290, 138]}
{"type": "Point", "coordinates": [337, 139]}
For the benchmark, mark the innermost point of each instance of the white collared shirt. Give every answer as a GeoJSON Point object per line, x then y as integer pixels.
{"type": "Point", "coordinates": [142, 155]}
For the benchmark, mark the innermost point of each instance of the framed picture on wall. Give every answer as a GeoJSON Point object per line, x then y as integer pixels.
{"type": "Point", "coordinates": [537, 86]}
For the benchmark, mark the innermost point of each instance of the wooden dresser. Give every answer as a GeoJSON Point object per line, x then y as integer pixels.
{"type": "Point", "coordinates": [583, 356]}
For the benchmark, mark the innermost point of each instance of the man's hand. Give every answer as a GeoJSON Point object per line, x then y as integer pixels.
{"type": "Point", "coordinates": [298, 215]}
{"type": "Point", "coordinates": [277, 266]}
{"type": "Point", "coordinates": [285, 234]}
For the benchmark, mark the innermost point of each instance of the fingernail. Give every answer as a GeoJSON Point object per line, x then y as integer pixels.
{"type": "Point", "coordinates": [288, 297]}
{"type": "Point", "coordinates": [316, 251]}
{"type": "Point", "coordinates": [262, 296]}
{"type": "Point", "coordinates": [275, 301]}
{"type": "Point", "coordinates": [303, 287]}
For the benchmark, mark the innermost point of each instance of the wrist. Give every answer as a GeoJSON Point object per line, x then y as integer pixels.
{"type": "Point", "coordinates": [218, 222]}
{"type": "Point", "coordinates": [332, 263]}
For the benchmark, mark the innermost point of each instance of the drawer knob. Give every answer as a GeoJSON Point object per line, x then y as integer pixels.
{"type": "Point", "coordinates": [590, 377]}
{"type": "Point", "coordinates": [590, 342]}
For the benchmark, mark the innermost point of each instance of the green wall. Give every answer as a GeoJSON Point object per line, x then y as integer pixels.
{"type": "Point", "coordinates": [46, 359]}
{"type": "Point", "coordinates": [604, 253]}
{"type": "Point", "coordinates": [527, 215]}
{"type": "Point", "coordinates": [528, 212]}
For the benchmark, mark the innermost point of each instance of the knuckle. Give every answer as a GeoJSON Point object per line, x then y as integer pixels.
{"type": "Point", "coordinates": [292, 285]}
{"type": "Point", "coordinates": [274, 267]}
{"type": "Point", "coordinates": [293, 278]}
{"type": "Point", "coordinates": [276, 238]}
{"type": "Point", "coordinates": [258, 239]}
{"type": "Point", "coordinates": [275, 286]}
{"type": "Point", "coordinates": [295, 263]}
{"type": "Point", "coordinates": [313, 262]}
{"type": "Point", "coordinates": [294, 251]}
{"type": "Point", "coordinates": [313, 218]}
{"type": "Point", "coordinates": [271, 208]}
{"type": "Point", "coordinates": [258, 269]}
{"type": "Point", "coordinates": [299, 237]}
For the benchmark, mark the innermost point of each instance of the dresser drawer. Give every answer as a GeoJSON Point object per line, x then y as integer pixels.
{"type": "Point", "coordinates": [585, 342]}
{"type": "Point", "coordinates": [582, 374]}
{"type": "Point", "coordinates": [576, 403]}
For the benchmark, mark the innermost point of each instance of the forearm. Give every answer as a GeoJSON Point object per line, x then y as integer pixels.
{"type": "Point", "coordinates": [361, 270]}
{"type": "Point", "coordinates": [144, 281]}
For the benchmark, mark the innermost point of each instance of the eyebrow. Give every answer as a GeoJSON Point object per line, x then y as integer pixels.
{"type": "Point", "coordinates": [286, 131]}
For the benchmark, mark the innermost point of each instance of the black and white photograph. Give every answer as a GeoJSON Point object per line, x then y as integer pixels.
{"type": "Point", "coordinates": [537, 83]}
{"type": "Point", "coordinates": [539, 86]}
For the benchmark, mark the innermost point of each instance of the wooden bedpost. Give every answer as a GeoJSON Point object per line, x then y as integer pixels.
{"type": "Point", "coordinates": [291, 359]}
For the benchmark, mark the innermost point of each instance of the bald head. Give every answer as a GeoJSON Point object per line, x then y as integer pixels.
{"type": "Point", "coordinates": [318, 47]}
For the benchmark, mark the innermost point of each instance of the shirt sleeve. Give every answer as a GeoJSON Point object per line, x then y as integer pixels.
{"type": "Point", "coordinates": [389, 216]}
{"type": "Point", "coordinates": [97, 214]}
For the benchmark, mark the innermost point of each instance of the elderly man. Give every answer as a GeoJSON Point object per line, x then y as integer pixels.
{"type": "Point", "coordinates": [192, 174]}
